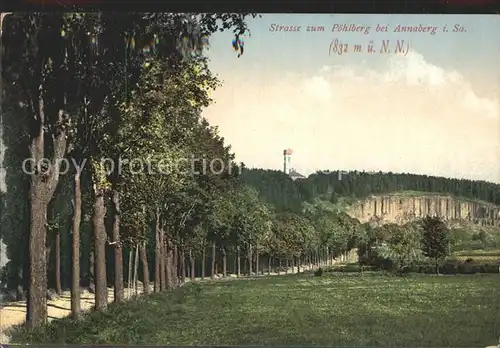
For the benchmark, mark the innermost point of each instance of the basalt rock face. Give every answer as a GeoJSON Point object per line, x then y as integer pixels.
{"type": "Point", "coordinates": [402, 209]}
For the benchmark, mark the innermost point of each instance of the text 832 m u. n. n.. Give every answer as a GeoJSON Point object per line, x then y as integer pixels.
{"type": "Point", "coordinates": [399, 47]}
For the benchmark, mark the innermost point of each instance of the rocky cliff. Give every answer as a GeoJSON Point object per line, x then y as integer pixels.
{"type": "Point", "coordinates": [401, 208]}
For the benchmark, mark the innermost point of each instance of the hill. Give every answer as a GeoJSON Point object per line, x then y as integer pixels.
{"type": "Point", "coordinates": [382, 197]}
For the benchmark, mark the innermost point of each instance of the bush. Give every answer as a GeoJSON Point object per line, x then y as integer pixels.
{"type": "Point", "coordinates": [449, 268]}
{"type": "Point", "coordinates": [383, 264]}
{"type": "Point", "coordinates": [318, 272]}
{"type": "Point", "coordinates": [489, 268]}
{"type": "Point", "coordinates": [467, 268]}
{"type": "Point", "coordinates": [455, 267]}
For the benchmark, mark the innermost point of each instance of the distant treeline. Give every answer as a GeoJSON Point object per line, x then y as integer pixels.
{"type": "Point", "coordinates": [286, 195]}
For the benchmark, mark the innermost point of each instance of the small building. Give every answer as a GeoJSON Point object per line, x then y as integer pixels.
{"type": "Point", "coordinates": [295, 175]}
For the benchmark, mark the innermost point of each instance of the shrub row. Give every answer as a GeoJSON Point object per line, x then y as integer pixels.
{"type": "Point", "coordinates": [456, 267]}
{"type": "Point", "coordinates": [448, 267]}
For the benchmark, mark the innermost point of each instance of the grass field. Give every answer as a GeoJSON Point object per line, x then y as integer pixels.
{"type": "Point", "coordinates": [363, 310]}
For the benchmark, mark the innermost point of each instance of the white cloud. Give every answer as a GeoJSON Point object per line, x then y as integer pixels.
{"type": "Point", "coordinates": [413, 117]}
{"type": "Point", "coordinates": [318, 87]}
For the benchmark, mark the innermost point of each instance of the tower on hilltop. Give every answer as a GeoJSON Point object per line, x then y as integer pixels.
{"type": "Point", "coordinates": [287, 159]}
{"type": "Point", "coordinates": [287, 165]}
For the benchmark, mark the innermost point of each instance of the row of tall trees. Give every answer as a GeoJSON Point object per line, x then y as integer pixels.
{"type": "Point", "coordinates": [108, 155]}
{"type": "Point", "coordinates": [82, 87]}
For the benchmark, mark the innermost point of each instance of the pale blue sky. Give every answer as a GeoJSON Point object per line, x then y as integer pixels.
{"type": "Point", "coordinates": [434, 111]}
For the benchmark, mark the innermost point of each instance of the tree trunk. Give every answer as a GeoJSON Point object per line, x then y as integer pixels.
{"type": "Point", "coordinates": [250, 260]}
{"type": "Point", "coordinates": [214, 250]}
{"type": "Point", "coordinates": [203, 263]}
{"type": "Point", "coordinates": [48, 249]}
{"type": "Point", "coordinates": [101, 288]}
{"type": "Point", "coordinates": [134, 262]}
{"type": "Point", "coordinates": [188, 268]}
{"type": "Point", "coordinates": [192, 260]}
{"type": "Point", "coordinates": [166, 269]}
{"type": "Point", "coordinates": [169, 276]}
{"type": "Point", "coordinates": [182, 260]}
{"type": "Point", "coordinates": [163, 283]}
{"type": "Point", "coordinates": [238, 257]}
{"type": "Point", "coordinates": [36, 313]}
{"type": "Point", "coordinates": [92, 266]}
{"type": "Point", "coordinates": [299, 261]}
{"type": "Point", "coordinates": [167, 261]}
{"type": "Point", "coordinates": [175, 265]}
{"type": "Point", "coordinates": [145, 268]}
{"type": "Point", "coordinates": [129, 279]}
{"type": "Point", "coordinates": [136, 269]}
{"type": "Point", "coordinates": [118, 252]}
{"type": "Point", "coordinates": [75, 271]}
{"type": "Point", "coordinates": [58, 262]}
{"type": "Point", "coordinates": [19, 289]}
{"type": "Point", "coordinates": [169, 254]}
{"type": "Point", "coordinates": [224, 262]}
{"type": "Point", "coordinates": [158, 253]}
{"type": "Point", "coordinates": [257, 268]}
{"type": "Point", "coordinates": [43, 183]}
{"type": "Point", "coordinates": [269, 265]}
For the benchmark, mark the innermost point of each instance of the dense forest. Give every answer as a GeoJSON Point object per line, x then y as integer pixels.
{"type": "Point", "coordinates": [276, 187]}
{"type": "Point", "coordinates": [80, 88]}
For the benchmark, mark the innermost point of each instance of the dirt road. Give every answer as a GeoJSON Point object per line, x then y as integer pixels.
{"type": "Point", "coordinates": [14, 313]}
